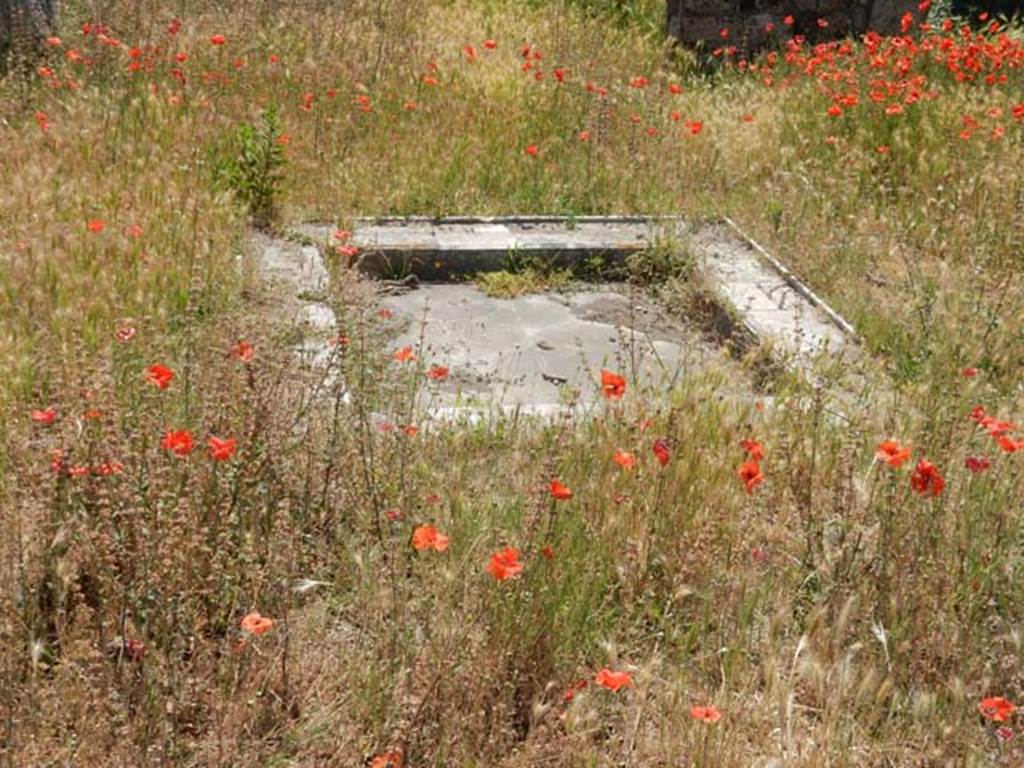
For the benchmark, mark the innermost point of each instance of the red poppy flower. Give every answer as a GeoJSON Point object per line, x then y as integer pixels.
{"type": "Point", "coordinates": [661, 449]}
{"type": "Point", "coordinates": [243, 350]}
{"type": "Point", "coordinates": [613, 681]}
{"type": "Point", "coordinates": [470, 52]}
{"type": "Point", "coordinates": [584, 136]}
{"type": "Point", "coordinates": [892, 453]}
{"type": "Point", "coordinates": [788, 21]}
{"type": "Point", "coordinates": [490, 45]}
{"type": "Point", "coordinates": [505, 564]}
{"type": "Point", "coordinates": [428, 537]}
{"type": "Point", "coordinates": [44, 415]}
{"type": "Point", "coordinates": [134, 649]}
{"type": "Point", "coordinates": [438, 373]}
{"type": "Point", "coordinates": [222, 450]}
{"type": "Point", "coordinates": [750, 475]}
{"type": "Point", "coordinates": [255, 624]}
{"type": "Point", "coordinates": [612, 385]}
{"type": "Point", "coordinates": [926, 479]}
{"type": "Point", "coordinates": [548, 553]}
{"type": "Point", "coordinates": [96, 226]}
{"type": "Point", "coordinates": [1008, 444]}
{"type": "Point", "coordinates": [977, 464]}
{"type": "Point", "coordinates": [624, 459]}
{"type": "Point", "coordinates": [675, 88]}
{"type": "Point", "coordinates": [822, 23]}
{"type": "Point", "coordinates": [159, 376]}
{"type": "Point", "coordinates": [405, 354]}
{"type": "Point", "coordinates": [572, 690]}
{"type": "Point", "coordinates": [532, 150]}
{"type": "Point", "coordinates": [639, 82]}
{"type": "Point", "coordinates": [969, 372]}
{"type": "Point", "coordinates": [753, 448]}
{"type": "Point", "coordinates": [708, 714]}
{"type": "Point", "coordinates": [133, 231]}
{"type": "Point", "coordinates": [392, 759]}
{"type": "Point", "coordinates": [996, 708]}
{"type": "Point", "coordinates": [178, 441]}
{"type": "Point", "coordinates": [217, 40]}
{"type": "Point", "coordinates": [108, 468]}
{"type": "Point", "coordinates": [996, 427]}
{"type": "Point", "coordinates": [560, 491]}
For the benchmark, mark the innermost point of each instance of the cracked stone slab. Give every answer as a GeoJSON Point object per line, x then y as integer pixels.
{"type": "Point", "coordinates": [771, 302]}
{"type": "Point", "coordinates": [301, 280]}
{"type": "Point", "coordinates": [541, 352]}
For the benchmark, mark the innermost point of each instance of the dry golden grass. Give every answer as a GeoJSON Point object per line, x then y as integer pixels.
{"type": "Point", "coordinates": [835, 616]}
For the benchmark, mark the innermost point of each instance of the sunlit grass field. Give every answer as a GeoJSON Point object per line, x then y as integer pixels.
{"type": "Point", "coordinates": [212, 557]}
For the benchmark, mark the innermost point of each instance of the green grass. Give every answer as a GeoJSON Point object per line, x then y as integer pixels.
{"type": "Point", "coordinates": [504, 284]}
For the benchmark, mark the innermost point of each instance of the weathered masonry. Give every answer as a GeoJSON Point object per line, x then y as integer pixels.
{"type": "Point", "coordinates": [755, 24]}
{"type": "Point", "coordinates": [24, 24]}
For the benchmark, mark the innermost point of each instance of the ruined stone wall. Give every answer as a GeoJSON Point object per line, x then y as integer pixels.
{"type": "Point", "coordinates": [24, 25]}
{"type": "Point", "coordinates": [754, 24]}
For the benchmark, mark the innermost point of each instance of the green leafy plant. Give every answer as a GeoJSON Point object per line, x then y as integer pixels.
{"type": "Point", "coordinates": [664, 260]}
{"type": "Point", "coordinates": [252, 168]}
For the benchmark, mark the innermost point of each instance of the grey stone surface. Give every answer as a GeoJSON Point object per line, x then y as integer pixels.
{"type": "Point", "coordinates": [771, 302]}
{"type": "Point", "coordinates": [541, 352]}
{"type": "Point", "coordinates": [297, 277]}
{"type": "Point", "coordinates": [436, 249]}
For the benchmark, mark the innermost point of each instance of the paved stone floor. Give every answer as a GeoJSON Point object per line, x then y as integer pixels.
{"type": "Point", "coordinates": [537, 353]}
{"type": "Point", "coordinates": [541, 351]}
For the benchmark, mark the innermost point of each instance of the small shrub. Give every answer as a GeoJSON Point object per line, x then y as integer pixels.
{"type": "Point", "coordinates": [664, 260]}
{"type": "Point", "coordinates": [253, 167]}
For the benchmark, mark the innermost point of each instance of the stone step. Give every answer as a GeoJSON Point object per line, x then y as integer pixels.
{"type": "Point", "coordinates": [435, 249]}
